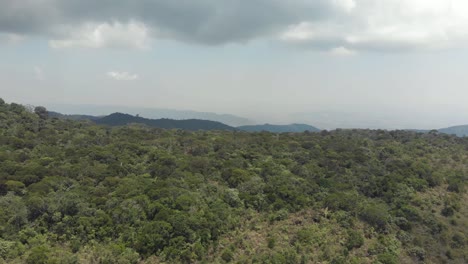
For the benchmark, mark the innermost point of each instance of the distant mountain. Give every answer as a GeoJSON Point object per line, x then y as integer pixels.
{"type": "Point", "coordinates": [279, 128]}
{"type": "Point", "coordinates": [119, 119]}
{"type": "Point", "coordinates": [72, 117]}
{"type": "Point", "coordinates": [461, 131]}
{"type": "Point", "coordinates": [153, 113]}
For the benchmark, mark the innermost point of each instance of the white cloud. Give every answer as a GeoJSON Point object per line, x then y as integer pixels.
{"type": "Point", "coordinates": [122, 76]}
{"type": "Point", "coordinates": [346, 5]}
{"type": "Point", "coordinates": [386, 25]}
{"type": "Point", "coordinates": [131, 35]}
{"type": "Point", "coordinates": [10, 38]}
{"type": "Point", "coordinates": [342, 52]}
{"type": "Point", "coordinates": [39, 73]}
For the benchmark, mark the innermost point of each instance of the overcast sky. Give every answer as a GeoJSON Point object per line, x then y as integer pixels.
{"type": "Point", "coordinates": [351, 63]}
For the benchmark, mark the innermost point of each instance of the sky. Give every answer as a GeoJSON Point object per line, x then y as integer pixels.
{"type": "Point", "coordinates": [331, 63]}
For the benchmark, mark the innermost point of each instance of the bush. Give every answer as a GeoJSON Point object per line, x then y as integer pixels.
{"type": "Point", "coordinates": [271, 242]}
{"type": "Point", "coordinates": [387, 258]}
{"type": "Point", "coordinates": [227, 255]}
{"type": "Point", "coordinates": [38, 255]}
{"type": "Point", "coordinates": [376, 214]}
{"type": "Point", "coordinates": [355, 240]}
{"type": "Point", "coordinates": [10, 249]}
{"type": "Point", "coordinates": [458, 241]}
{"type": "Point", "coordinates": [418, 252]}
{"type": "Point", "coordinates": [447, 211]}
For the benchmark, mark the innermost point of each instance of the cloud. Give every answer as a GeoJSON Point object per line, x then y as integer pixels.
{"type": "Point", "coordinates": [388, 25]}
{"type": "Point", "coordinates": [130, 35]}
{"type": "Point", "coordinates": [122, 76]}
{"type": "Point", "coordinates": [361, 25]}
{"type": "Point", "coordinates": [342, 52]}
{"type": "Point", "coordinates": [39, 73]}
{"type": "Point", "coordinates": [9, 38]}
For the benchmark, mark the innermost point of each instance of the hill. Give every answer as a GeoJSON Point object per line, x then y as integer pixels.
{"type": "Point", "coordinates": [119, 119]}
{"type": "Point", "coordinates": [279, 128]}
{"type": "Point", "coordinates": [75, 192]}
{"type": "Point", "coordinates": [149, 112]}
{"type": "Point", "coordinates": [53, 114]}
{"type": "Point", "coordinates": [461, 131]}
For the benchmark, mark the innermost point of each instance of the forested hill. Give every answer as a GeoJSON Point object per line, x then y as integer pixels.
{"type": "Point", "coordinates": [279, 128]}
{"type": "Point", "coordinates": [119, 119]}
{"type": "Point", "coordinates": [75, 192]}
{"type": "Point", "coordinates": [461, 131]}
{"type": "Point", "coordinates": [72, 117]}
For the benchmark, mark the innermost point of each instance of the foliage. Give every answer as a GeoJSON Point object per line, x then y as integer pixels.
{"type": "Point", "coordinates": [77, 192]}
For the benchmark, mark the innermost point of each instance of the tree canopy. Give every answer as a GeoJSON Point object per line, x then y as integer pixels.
{"type": "Point", "coordinates": [75, 192]}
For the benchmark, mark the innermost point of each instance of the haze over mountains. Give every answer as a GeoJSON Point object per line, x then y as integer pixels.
{"type": "Point", "coordinates": [461, 131]}
{"type": "Point", "coordinates": [379, 117]}
{"type": "Point", "coordinates": [193, 124]}
{"type": "Point", "coordinates": [279, 128]}
{"type": "Point", "coordinates": [121, 119]}
{"type": "Point", "coordinates": [153, 113]}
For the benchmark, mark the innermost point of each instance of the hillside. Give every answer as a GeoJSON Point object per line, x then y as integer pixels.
{"type": "Point", "coordinates": [461, 131]}
{"type": "Point", "coordinates": [72, 117]}
{"type": "Point", "coordinates": [150, 112]}
{"type": "Point", "coordinates": [119, 119]}
{"type": "Point", "coordinates": [75, 192]}
{"type": "Point", "coordinates": [279, 128]}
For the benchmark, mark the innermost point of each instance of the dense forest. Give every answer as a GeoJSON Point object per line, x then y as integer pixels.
{"type": "Point", "coordinates": [76, 192]}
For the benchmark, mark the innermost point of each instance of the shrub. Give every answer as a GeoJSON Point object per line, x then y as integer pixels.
{"type": "Point", "coordinates": [376, 214]}
{"type": "Point", "coordinates": [355, 240]}
{"type": "Point", "coordinates": [387, 258]}
{"type": "Point", "coordinates": [227, 255]}
{"type": "Point", "coordinates": [418, 252]}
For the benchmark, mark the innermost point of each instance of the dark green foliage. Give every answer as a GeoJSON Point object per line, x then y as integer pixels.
{"type": "Point", "coordinates": [376, 214]}
{"type": "Point", "coordinates": [75, 191]}
{"type": "Point", "coordinates": [355, 239]}
{"type": "Point", "coordinates": [153, 237]}
{"type": "Point", "coordinates": [227, 255]}
{"type": "Point", "coordinates": [387, 258]}
{"type": "Point", "coordinates": [119, 119]}
{"type": "Point", "coordinates": [41, 112]}
{"type": "Point", "coordinates": [418, 253]}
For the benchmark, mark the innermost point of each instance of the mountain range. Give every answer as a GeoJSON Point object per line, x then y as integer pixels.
{"type": "Point", "coordinates": [121, 119]}
{"type": "Point", "coordinates": [461, 131]}
{"type": "Point", "coordinates": [152, 113]}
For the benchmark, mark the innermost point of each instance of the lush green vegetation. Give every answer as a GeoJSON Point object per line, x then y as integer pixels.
{"type": "Point", "coordinates": [75, 192]}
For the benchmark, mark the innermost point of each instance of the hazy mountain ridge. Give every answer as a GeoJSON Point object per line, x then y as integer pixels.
{"type": "Point", "coordinates": [151, 113]}
{"type": "Point", "coordinates": [279, 128]}
{"type": "Point", "coordinates": [72, 117]}
{"type": "Point", "coordinates": [119, 119]}
{"type": "Point", "coordinates": [461, 131]}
